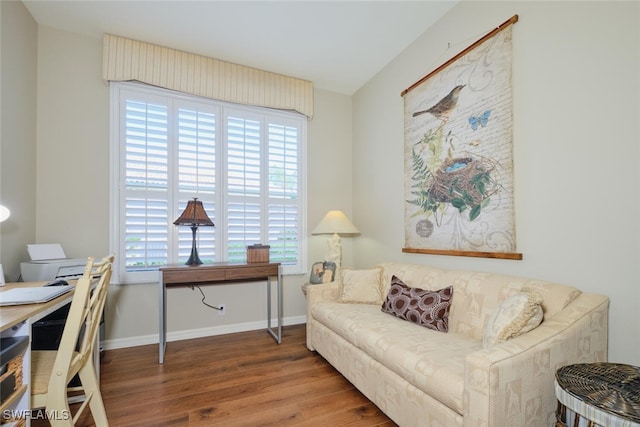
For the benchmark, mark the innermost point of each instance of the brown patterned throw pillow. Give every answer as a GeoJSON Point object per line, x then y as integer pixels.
{"type": "Point", "coordinates": [423, 307]}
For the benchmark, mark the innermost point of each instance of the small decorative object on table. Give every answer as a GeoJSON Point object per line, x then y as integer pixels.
{"type": "Point", "coordinates": [258, 253]}
{"type": "Point", "coordinates": [598, 394]}
{"type": "Point", "coordinates": [322, 272]}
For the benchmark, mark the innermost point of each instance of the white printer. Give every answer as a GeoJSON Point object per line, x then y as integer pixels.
{"type": "Point", "coordinates": [48, 262]}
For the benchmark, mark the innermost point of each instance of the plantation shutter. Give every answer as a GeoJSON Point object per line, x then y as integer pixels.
{"type": "Point", "coordinates": [196, 174]}
{"type": "Point", "coordinates": [244, 198]}
{"type": "Point", "coordinates": [243, 163]}
{"type": "Point", "coordinates": [146, 184]}
{"type": "Point", "coordinates": [284, 191]}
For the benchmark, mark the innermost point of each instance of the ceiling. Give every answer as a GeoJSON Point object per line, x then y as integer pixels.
{"type": "Point", "coordinates": [338, 45]}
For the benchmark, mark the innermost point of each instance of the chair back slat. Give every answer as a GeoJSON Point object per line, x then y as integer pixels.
{"type": "Point", "coordinates": [93, 310]}
{"type": "Point", "coordinates": [77, 344]}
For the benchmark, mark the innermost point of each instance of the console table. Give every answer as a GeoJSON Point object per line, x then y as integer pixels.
{"type": "Point", "coordinates": [217, 273]}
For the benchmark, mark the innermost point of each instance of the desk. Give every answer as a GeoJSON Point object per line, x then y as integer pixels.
{"type": "Point", "coordinates": [16, 321]}
{"type": "Point", "coordinates": [221, 272]}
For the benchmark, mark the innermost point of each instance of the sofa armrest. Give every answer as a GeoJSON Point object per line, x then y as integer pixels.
{"type": "Point", "coordinates": [322, 292]}
{"type": "Point", "coordinates": [513, 383]}
{"type": "Point", "coordinates": [316, 294]}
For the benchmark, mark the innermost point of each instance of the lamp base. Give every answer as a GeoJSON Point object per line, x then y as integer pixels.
{"type": "Point", "coordinates": [335, 250]}
{"type": "Point", "coordinates": [194, 259]}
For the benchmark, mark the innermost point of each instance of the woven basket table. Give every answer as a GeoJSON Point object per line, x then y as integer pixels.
{"type": "Point", "coordinates": [598, 394]}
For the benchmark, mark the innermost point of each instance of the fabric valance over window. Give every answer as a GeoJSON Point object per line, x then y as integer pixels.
{"type": "Point", "coordinates": [125, 59]}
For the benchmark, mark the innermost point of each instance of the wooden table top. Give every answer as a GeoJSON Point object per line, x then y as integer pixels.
{"type": "Point", "coordinates": [15, 314]}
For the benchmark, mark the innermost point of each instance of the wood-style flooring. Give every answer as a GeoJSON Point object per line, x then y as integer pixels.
{"type": "Point", "coordinates": [242, 379]}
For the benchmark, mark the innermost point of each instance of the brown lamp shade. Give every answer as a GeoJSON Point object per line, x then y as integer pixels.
{"type": "Point", "coordinates": [194, 214]}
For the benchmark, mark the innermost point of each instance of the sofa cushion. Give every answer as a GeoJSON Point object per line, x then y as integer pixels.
{"type": "Point", "coordinates": [418, 276]}
{"type": "Point", "coordinates": [478, 294]}
{"type": "Point", "coordinates": [430, 361]}
{"type": "Point", "coordinates": [420, 306]}
{"type": "Point", "coordinates": [360, 286]}
{"type": "Point", "coordinates": [515, 316]}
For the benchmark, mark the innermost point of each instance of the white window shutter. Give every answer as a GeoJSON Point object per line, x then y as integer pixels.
{"type": "Point", "coordinates": [244, 163]}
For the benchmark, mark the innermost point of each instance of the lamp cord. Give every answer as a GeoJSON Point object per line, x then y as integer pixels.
{"type": "Point", "coordinates": [204, 297]}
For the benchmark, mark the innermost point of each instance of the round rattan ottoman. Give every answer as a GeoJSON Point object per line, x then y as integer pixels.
{"type": "Point", "coordinates": [598, 394]}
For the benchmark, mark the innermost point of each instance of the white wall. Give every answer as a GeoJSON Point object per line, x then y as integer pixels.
{"type": "Point", "coordinates": [73, 194]}
{"type": "Point", "coordinates": [576, 81]}
{"type": "Point", "coordinates": [18, 61]}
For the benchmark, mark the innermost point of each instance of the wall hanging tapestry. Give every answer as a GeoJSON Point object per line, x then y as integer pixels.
{"type": "Point", "coordinates": [458, 154]}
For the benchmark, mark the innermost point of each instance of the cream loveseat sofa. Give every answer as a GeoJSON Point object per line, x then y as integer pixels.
{"type": "Point", "coordinates": [424, 377]}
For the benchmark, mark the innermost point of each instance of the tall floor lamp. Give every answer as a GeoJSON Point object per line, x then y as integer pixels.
{"type": "Point", "coordinates": [335, 223]}
{"type": "Point", "coordinates": [194, 215]}
{"type": "Point", "coordinates": [4, 213]}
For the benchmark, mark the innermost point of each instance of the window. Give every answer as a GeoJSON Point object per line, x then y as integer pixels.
{"type": "Point", "coordinates": [244, 163]}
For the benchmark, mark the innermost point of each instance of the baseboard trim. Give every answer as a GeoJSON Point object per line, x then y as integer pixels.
{"type": "Point", "coordinates": [197, 333]}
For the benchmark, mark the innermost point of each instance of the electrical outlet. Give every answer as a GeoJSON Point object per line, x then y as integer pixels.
{"type": "Point", "coordinates": [223, 309]}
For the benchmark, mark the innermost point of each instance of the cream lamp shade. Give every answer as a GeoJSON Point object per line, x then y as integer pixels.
{"type": "Point", "coordinates": [4, 213]}
{"type": "Point", "coordinates": [335, 223]}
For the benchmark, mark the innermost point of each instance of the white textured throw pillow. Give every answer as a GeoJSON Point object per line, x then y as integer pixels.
{"type": "Point", "coordinates": [360, 286]}
{"type": "Point", "coordinates": [515, 316]}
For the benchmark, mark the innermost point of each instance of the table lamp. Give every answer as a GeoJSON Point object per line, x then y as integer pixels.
{"type": "Point", "coordinates": [335, 223]}
{"type": "Point", "coordinates": [194, 215]}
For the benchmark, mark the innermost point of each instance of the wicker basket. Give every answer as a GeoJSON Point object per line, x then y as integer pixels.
{"type": "Point", "coordinates": [14, 369]}
{"type": "Point", "coordinates": [12, 378]}
{"type": "Point", "coordinates": [610, 387]}
{"type": "Point", "coordinates": [12, 351]}
{"type": "Point", "coordinates": [14, 423]}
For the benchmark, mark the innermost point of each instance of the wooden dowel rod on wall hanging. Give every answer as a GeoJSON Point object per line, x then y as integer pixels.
{"type": "Point", "coordinates": [498, 255]}
{"type": "Point", "coordinates": [490, 34]}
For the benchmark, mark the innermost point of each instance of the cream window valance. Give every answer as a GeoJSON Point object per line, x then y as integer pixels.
{"type": "Point", "coordinates": [125, 59]}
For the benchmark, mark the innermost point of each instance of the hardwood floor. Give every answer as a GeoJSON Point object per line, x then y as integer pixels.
{"type": "Point", "coordinates": [242, 379]}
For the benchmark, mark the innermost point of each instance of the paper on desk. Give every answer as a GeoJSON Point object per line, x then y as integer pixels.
{"type": "Point", "coordinates": [46, 251]}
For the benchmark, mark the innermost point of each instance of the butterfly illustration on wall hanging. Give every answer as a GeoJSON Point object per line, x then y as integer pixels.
{"type": "Point", "coordinates": [481, 120]}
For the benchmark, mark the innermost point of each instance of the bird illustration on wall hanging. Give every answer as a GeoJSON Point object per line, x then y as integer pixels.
{"type": "Point", "coordinates": [442, 109]}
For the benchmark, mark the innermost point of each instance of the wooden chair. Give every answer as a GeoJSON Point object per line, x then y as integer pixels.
{"type": "Point", "coordinates": [51, 371]}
